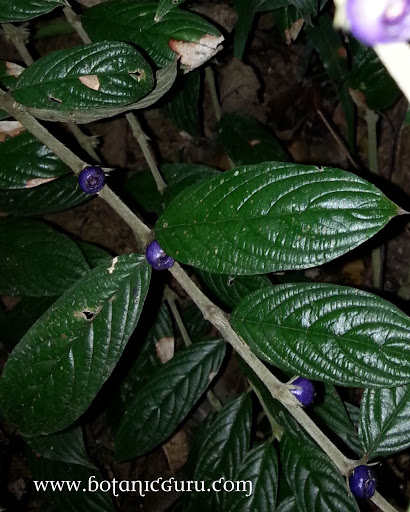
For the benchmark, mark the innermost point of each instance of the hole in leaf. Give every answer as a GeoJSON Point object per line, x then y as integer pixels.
{"type": "Point", "coordinates": [88, 315]}
{"type": "Point", "coordinates": [138, 74]}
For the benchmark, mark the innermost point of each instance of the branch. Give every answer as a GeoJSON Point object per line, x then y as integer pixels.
{"type": "Point", "coordinates": [75, 22]}
{"type": "Point", "coordinates": [18, 38]}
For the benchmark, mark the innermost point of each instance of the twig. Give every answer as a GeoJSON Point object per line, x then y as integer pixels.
{"type": "Point", "coordinates": [85, 141]}
{"type": "Point", "coordinates": [210, 78]}
{"type": "Point", "coordinates": [171, 299]}
{"type": "Point", "coordinates": [142, 141]}
{"type": "Point", "coordinates": [18, 38]}
{"type": "Point", "coordinates": [75, 22]}
{"type": "Point", "coordinates": [337, 139]}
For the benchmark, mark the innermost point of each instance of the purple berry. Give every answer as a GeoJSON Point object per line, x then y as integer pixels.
{"type": "Point", "coordinates": [306, 391]}
{"type": "Point", "coordinates": [157, 258]}
{"type": "Point", "coordinates": [379, 21]}
{"type": "Point", "coordinates": [363, 482]}
{"type": "Point", "coordinates": [91, 180]}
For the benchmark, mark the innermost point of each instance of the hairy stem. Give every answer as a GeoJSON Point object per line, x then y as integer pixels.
{"type": "Point", "coordinates": [17, 37]}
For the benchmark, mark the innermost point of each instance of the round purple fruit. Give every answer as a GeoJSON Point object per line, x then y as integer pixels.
{"type": "Point", "coordinates": [157, 258]}
{"type": "Point", "coordinates": [363, 482]}
{"type": "Point", "coordinates": [305, 392]}
{"type": "Point", "coordinates": [91, 180]}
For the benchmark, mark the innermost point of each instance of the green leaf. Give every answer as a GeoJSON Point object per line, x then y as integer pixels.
{"type": "Point", "coordinates": [23, 10]}
{"type": "Point", "coordinates": [287, 505]}
{"type": "Point", "coordinates": [55, 196]}
{"type": "Point", "coordinates": [315, 481]}
{"type": "Point", "coordinates": [165, 6]}
{"type": "Point", "coordinates": [59, 366]}
{"type": "Point", "coordinates": [247, 141]}
{"type": "Point", "coordinates": [271, 217]}
{"type": "Point", "coordinates": [134, 22]}
{"type": "Point", "coordinates": [371, 78]}
{"type": "Point", "coordinates": [164, 79]}
{"type": "Point", "coordinates": [384, 421]}
{"type": "Point", "coordinates": [246, 10]}
{"type": "Point", "coordinates": [93, 254]}
{"type": "Point", "coordinates": [260, 467]}
{"type": "Point", "coordinates": [47, 471]}
{"type": "Point", "coordinates": [143, 188]}
{"type": "Point", "coordinates": [25, 163]}
{"type": "Point", "coordinates": [183, 106]}
{"type": "Point", "coordinates": [308, 7]}
{"type": "Point", "coordinates": [223, 447]}
{"type": "Point", "coordinates": [66, 446]}
{"type": "Point", "coordinates": [36, 259]}
{"type": "Point", "coordinates": [162, 403]}
{"type": "Point", "coordinates": [285, 18]}
{"type": "Point", "coordinates": [326, 332]}
{"type": "Point", "coordinates": [332, 412]}
{"type": "Point", "coordinates": [195, 323]}
{"type": "Point", "coordinates": [90, 76]}
{"type": "Point", "coordinates": [231, 289]}
{"type": "Point", "coordinates": [18, 321]}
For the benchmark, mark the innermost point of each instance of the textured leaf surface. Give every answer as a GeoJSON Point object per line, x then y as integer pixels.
{"type": "Point", "coordinates": [231, 289]}
{"type": "Point", "coordinates": [384, 421]}
{"type": "Point", "coordinates": [25, 162]}
{"type": "Point", "coordinates": [165, 6]}
{"type": "Point", "coordinates": [326, 332]}
{"type": "Point", "coordinates": [315, 481]}
{"type": "Point", "coordinates": [164, 80]}
{"type": "Point", "coordinates": [54, 196]}
{"type": "Point", "coordinates": [223, 447]}
{"type": "Point", "coordinates": [90, 76]}
{"type": "Point", "coordinates": [247, 141]}
{"type": "Point", "coordinates": [270, 217]}
{"type": "Point", "coordinates": [162, 403]}
{"type": "Point", "coordinates": [66, 446]}
{"type": "Point", "coordinates": [56, 370]}
{"type": "Point", "coordinates": [71, 501]}
{"type": "Point", "coordinates": [36, 259]}
{"type": "Point", "coordinates": [332, 412]}
{"type": "Point", "coordinates": [23, 10]}
{"type": "Point", "coordinates": [260, 466]}
{"type": "Point", "coordinates": [287, 505]}
{"type": "Point", "coordinates": [134, 22]}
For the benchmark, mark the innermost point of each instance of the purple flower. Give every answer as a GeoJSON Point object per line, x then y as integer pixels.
{"type": "Point", "coordinates": [379, 21]}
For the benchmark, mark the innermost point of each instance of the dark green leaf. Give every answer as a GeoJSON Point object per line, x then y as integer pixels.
{"type": "Point", "coordinates": [25, 163]}
{"type": "Point", "coordinates": [285, 18]}
{"type": "Point", "coordinates": [231, 289]}
{"type": "Point", "coordinates": [93, 254]}
{"type": "Point", "coordinates": [65, 499]}
{"type": "Point", "coordinates": [195, 323]}
{"type": "Point", "coordinates": [332, 412]}
{"type": "Point", "coordinates": [9, 71]}
{"type": "Point", "coordinates": [314, 479]}
{"type": "Point", "coordinates": [19, 320]}
{"type": "Point", "coordinates": [143, 188]}
{"type": "Point", "coordinates": [162, 403]}
{"type": "Point", "coordinates": [247, 141]}
{"type": "Point", "coordinates": [271, 217]}
{"type": "Point", "coordinates": [54, 196]}
{"type": "Point", "coordinates": [66, 446]}
{"type": "Point", "coordinates": [90, 76]}
{"type": "Point", "coordinates": [183, 107]}
{"type": "Point", "coordinates": [384, 421]}
{"type": "Point", "coordinates": [354, 414]}
{"type": "Point", "coordinates": [326, 332]}
{"type": "Point", "coordinates": [23, 10]}
{"type": "Point", "coordinates": [164, 80]}
{"type": "Point", "coordinates": [260, 466]}
{"type": "Point", "coordinates": [165, 6]}
{"type": "Point", "coordinates": [37, 260]}
{"type": "Point", "coordinates": [287, 505]}
{"type": "Point", "coordinates": [371, 78]}
{"type": "Point", "coordinates": [223, 447]}
{"type": "Point", "coordinates": [134, 22]}
{"type": "Point", "coordinates": [56, 370]}
{"type": "Point", "coordinates": [308, 7]}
